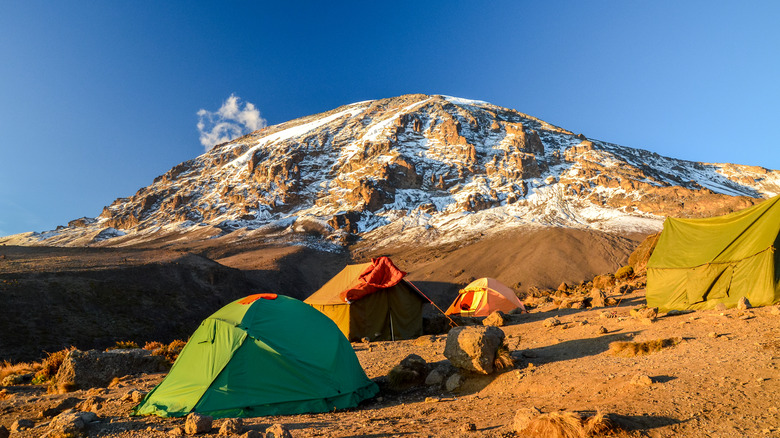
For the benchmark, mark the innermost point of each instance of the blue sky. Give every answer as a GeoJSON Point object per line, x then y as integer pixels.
{"type": "Point", "coordinates": [98, 98]}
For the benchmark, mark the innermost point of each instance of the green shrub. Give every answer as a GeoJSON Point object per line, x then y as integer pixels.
{"type": "Point", "coordinates": [624, 272]}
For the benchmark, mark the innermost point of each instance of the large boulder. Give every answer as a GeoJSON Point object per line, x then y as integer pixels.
{"type": "Point", "coordinates": [93, 368]}
{"type": "Point", "coordinates": [474, 348]}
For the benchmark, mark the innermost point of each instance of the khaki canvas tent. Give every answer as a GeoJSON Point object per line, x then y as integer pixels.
{"type": "Point", "coordinates": [698, 263]}
{"type": "Point", "coordinates": [261, 355]}
{"type": "Point", "coordinates": [372, 300]}
{"type": "Point", "coordinates": [483, 297]}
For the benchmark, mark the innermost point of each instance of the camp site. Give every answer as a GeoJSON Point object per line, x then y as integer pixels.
{"type": "Point", "coordinates": [371, 352]}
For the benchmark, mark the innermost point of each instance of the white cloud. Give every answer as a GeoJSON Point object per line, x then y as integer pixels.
{"type": "Point", "coordinates": [228, 122]}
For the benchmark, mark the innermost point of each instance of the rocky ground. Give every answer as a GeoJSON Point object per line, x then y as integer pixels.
{"type": "Point", "coordinates": [55, 297]}
{"type": "Point", "coordinates": [721, 380]}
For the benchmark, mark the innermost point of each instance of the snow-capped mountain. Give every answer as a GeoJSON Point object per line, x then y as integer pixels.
{"type": "Point", "coordinates": [430, 169]}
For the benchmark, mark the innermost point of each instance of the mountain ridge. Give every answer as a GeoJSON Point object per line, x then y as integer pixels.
{"type": "Point", "coordinates": [428, 168]}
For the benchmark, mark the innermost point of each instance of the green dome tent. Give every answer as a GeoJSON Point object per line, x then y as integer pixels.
{"type": "Point", "coordinates": [698, 263]}
{"type": "Point", "coordinates": [261, 355]}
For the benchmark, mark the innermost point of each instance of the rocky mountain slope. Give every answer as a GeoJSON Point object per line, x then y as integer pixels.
{"type": "Point", "coordinates": [415, 168]}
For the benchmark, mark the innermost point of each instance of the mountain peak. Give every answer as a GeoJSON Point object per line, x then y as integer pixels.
{"type": "Point", "coordinates": [429, 167]}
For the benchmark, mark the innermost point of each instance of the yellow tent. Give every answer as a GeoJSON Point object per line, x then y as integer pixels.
{"type": "Point", "coordinates": [700, 263]}
{"type": "Point", "coordinates": [483, 297]}
{"type": "Point", "coordinates": [371, 300]}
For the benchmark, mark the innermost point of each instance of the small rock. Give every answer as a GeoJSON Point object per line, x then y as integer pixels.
{"type": "Point", "coordinates": [97, 391]}
{"type": "Point", "coordinates": [137, 396]}
{"type": "Point", "coordinates": [552, 322]}
{"type": "Point", "coordinates": [523, 417]}
{"type": "Point", "coordinates": [743, 304]}
{"type": "Point", "coordinates": [517, 311]}
{"type": "Point", "coordinates": [454, 382]}
{"type": "Point", "coordinates": [365, 340]}
{"type": "Point", "coordinates": [17, 379]}
{"type": "Point", "coordinates": [51, 412]}
{"type": "Point", "coordinates": [434, 378]}
{"type": "Point", "coordinates": [712, 334]}
{"type": "Point", "coordinates": [253, 434]}
{"type": "Point", "coordinates": [641, 380]}
{"type": "Point", "coordinates": [231, 426]}
{"type": "Point", "coordinates": [410, 372]}
{"type": "Point", "coordinates": [495, 319]}
{"type": "Point", "coordinates": [91, 404]}
{"type": "Point", "coordinates": [468, 427]}
{"type": "Point", "coordinates": [641, 313]}
{"type": "Point", "coordinates": [720, 307]}
{"type": "Point", "coordinates": [176, 431]}
{"type": "Point", "coordinates": [197, 423]}
{"type": "Point", "coordinates": [424, 340]}
{"type": "Point", "coordinates": [277, 431]}
{"type": "Point", "coordinates": [432, 399]}
{"type": "Point", "coordinates": [440, 374]}
{"type": "Point", "coordinates": [22, 424]}
{"type": "Point", "coordinates": [134, 396]}
{"type": "Point", "coordinates": [70, 424]}
{"type": "Point", "coordinates": [602, 330]}
{"type": "Point", "coordinates": [597, 298]}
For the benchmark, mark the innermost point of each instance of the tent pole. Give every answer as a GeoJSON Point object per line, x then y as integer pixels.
{"type": "Point", "coordinates": [392, 335]}
{"type": "Point", "coordinates": [452, 323]}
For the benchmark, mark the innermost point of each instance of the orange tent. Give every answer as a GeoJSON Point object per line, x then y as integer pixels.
{"type": "Point", "coordinates": [483, 297]}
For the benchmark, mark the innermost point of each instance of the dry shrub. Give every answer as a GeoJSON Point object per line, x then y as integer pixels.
{"type": "Point", "coordinates": [154, 345]}
{"type": "Point", "coordinates": [563, 424]}
{"type": "Point", "coordinates": [7, 368]}
{"type": "Point", "coordinates": [630, 349]}
{"type": "Point", "coordinates": [170, 351]}
{"type": "Point", "coordinates": [50, 365]}
{"type": "Point", "coordinates": [61, 388]}
{"type": "Point", "coordinates": [567, 424]}
{"type": "Point", "coordinates": [598, 424]}
{"type": "Point", "coordinates": [123, 345]}
{"type": "Point", "coordinates": [503, 358]}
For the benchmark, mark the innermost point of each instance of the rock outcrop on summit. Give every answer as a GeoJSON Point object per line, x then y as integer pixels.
{"type": "Point", "coordinates": [418, 168]}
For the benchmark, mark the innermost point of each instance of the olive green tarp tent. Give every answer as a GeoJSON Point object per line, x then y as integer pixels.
{"type": "Point", "coordinates": [261, 355]}
{"type": "Point", "coordinates": [372, 300]}
{"type": "Point", "coordinates": [698, 263]}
